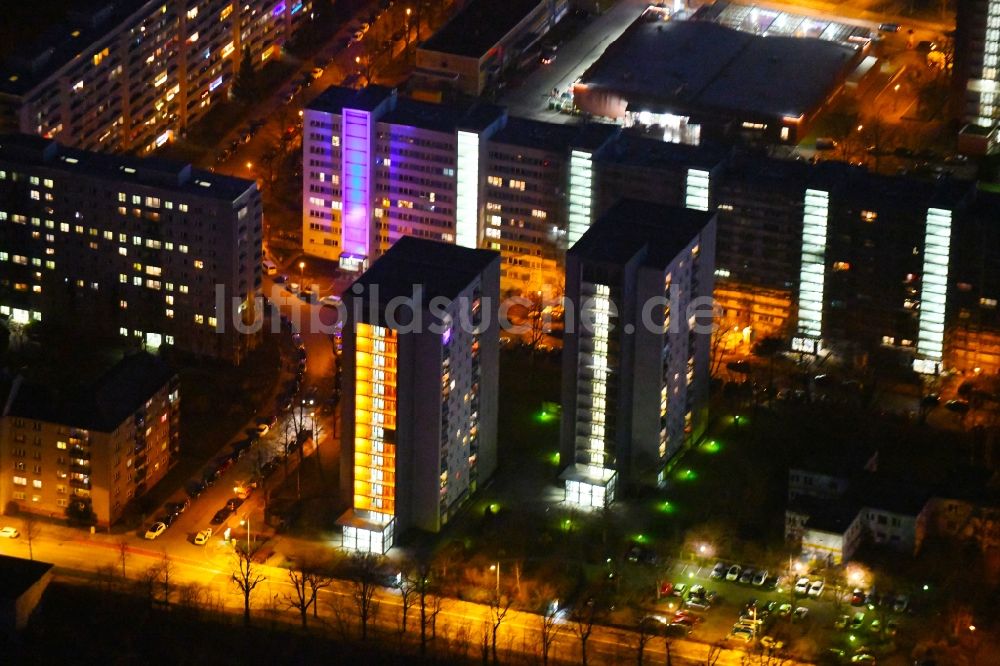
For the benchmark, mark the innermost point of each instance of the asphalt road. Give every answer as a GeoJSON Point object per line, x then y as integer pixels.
{"type": "Point", "coordinates": [78, 555]}
{"type": "Point", "coordinates": [530, 98]}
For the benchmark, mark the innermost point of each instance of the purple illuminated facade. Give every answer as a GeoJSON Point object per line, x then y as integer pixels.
{"type": "Point", "coordinates": [356, 170]}
{"type": "Point", "coordinates": [378, 167]}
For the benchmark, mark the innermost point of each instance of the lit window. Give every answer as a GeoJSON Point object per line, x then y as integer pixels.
{"type": "Point", "coordinates": [841, 266]}
{"type": "Point", "coordinates": [199, 319]}
{"type": "Point", "coordinates": [199, 264]}
{"type": "Point", "coordinates": [123, 304]}
{"type": "Point", "coordinates": [869, 216]}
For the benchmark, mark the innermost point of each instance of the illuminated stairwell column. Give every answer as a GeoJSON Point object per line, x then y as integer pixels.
{"type": "Point", "coordinates": [467, 189]}
{"type": "Point", "coordinates": [987, 88]}
{"type": "Point", "coordinates": [696, 189]}
{"type": "Point", "coordinates": [933, 291]}
{"type": "Point", "coordinates": [581, 191]}
{"type": "Point", "coordinates": [356, 179]}
{"type": "Point", "coordinates": [812, 272]}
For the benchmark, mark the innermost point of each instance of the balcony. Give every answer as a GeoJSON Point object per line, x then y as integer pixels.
{"type": "Point", "coordinates": [79, 469]}
{"type": "Point", "coordinates": [77, 483]}
{"type": "Point", "coordinates": [78, 452]}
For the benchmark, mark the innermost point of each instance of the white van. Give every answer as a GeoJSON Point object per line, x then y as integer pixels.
{"type": "Point", "coordinates": [270, 268]}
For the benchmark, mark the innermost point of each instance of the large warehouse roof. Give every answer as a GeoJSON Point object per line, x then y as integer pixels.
{"type": "Point", "coordinates": [706, 66]}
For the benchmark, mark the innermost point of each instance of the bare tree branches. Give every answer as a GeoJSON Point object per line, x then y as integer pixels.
{"type": "Point", "coordinates": [246, 576]}
{"type": "Point", "coordinates": [300, 600]}
{"type": "Point", "coordinates": [30, 528]}
{"type": "Point", "coordinates": [499, 606]}
{"type": "Point", "coordinates": [366, 581]}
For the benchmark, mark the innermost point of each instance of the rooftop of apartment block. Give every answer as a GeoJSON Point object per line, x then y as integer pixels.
{"type": "Point", "coordinates": [540, 135]}
{"type": "Point", "coordinates": [18, 574]}
{"type": "Point", "coordinates": [401, 110]}
{"type": "Point", "coordinates": [100, 405]}
{"type": "Point", "coordinates": [78, 26]}
{"type": "Point", "coordinates": [631, 227]}
{"type": "Point", "coordinates": [27, 150]}
{"type": "Point", "coordinates": [437, 269]}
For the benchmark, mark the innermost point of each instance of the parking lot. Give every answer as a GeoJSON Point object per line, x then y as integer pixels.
{"type": "Point", "coordinates": [715, 600]}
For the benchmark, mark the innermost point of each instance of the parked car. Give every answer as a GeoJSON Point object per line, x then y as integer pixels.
{"type": "Point", "coordinates": [744, 634]}
{"type": "Point", "coordinates": [330, 300]}
{"type": "Point", "coordinates": [857, 622]}
{"type": "Point", "coordinates": [221, 515]}
{"type": "Point", "coordinates": [747, 576]}
{"type": "Point", "coordinates": [9, 532]}
{"type": "Point", "coordinates": [202, 537]}
{"type": "Point", "coordinates": [841, 622]}
{"type": "Point", "coordinates": [316, 72]}
{"type": "Point", "coordinates": [234, 503]}
{"type": "Point", "coordinates": [800, 613]}
{"type": "Point", "coordinates": [718, 571]}
{"type": "Point", "coordinates": [760, 578]}
{"type": "Point", "coordinates": [802, 586]}
{"type": "Point", "coordinates": [901, 604]}
{"type": "Point", "coordinates": [784, 610]}
{"type": "Point", "coordinates": [816, 588]}
{"type": "Point", "coordinates": [167, 519]}
{"type": "Point", "coordinates": [155, 530]}
{"type": "Point", "coordinates": [858, 597]}
{"type": "Point", "coordinates": [698, 603]}
{"type": "Point", "coordinates": [734, 573]}
{"type": "Point", "coordinates": [680, 589]}
{"type": "Point", "coordinates": [177, 508]}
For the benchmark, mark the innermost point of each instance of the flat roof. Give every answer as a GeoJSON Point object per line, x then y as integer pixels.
{"type": "Point", "coordinates": [702, 66]}
{"type": "Point", "coordinates": [352, 518]}
{"type": "Point", "coordinates": [102, 405]}
{"type": "Point", "coordinates": [18, 574]}
{"type": "Point", "coordinates": [595, 476]}
{"type": "Point", "coordinates": [407, 111]}
{"type": "Point", "coordinates": [554, 137]}
{"type": "Point", "coordinates": [440, 269]}
{"type": "Point", "coordinates": [32, 150]}
{"type": "Point", "coordinates": [88, 22]}
{"type": "Point", "coordinates": [337, 98]}
{"type": "Point", "coordinates": [829, 516]}
{"type": "Point", "coordinates": [632, 226]}
{"type": "Point", "coordinates": [479, 27]}
{"type": "Point", "coordinates": [658, 154]}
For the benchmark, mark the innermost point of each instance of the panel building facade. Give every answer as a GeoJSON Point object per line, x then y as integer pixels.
{"type": "Point", "coordinates": [419, 419]}
{"type": "Point", "coordinates": [158, 253]}
{"type": "Point", "coordinates": [802, 249]}
{"type": "Point", "coordinates": [636, 362]}
{"type": "Point", "coordinates": [130, 75]}
{"type": "Point", "coordinates": [84, 453]}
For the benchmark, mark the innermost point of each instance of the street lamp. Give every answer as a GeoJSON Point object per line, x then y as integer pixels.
{"type": "Point", "coordinates": [302, 273]}
{"type": "Point", "coordinates": [246, 521]}
{"type": "Point", "coordinates": [249, 165]}
{"type": "Point", "coordinates": [496, 567]}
